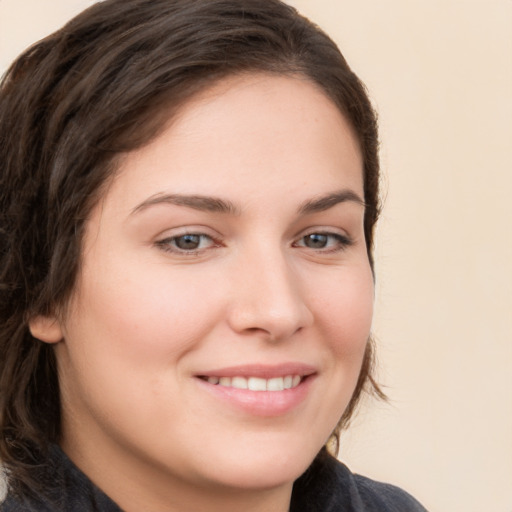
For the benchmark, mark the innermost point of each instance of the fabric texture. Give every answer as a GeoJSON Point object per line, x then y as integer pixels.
{"type": "Point", "coordinates": [327, 486]}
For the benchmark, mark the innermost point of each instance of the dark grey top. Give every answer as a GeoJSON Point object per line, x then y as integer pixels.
{"type": "Point", "coordinates": [327, 486]}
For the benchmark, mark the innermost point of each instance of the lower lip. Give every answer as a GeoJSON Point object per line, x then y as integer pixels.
{"type": "Point", "coordinates": [261, 403]}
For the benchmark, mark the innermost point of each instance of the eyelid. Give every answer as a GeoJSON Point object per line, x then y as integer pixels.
{"type": "Point", "coordinates": [164, 242]}
{"type": "Point", "coordinates": [343, 240]}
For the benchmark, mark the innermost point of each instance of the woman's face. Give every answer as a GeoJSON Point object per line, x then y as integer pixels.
{"type": "Point", "coordinates": [228, 253]}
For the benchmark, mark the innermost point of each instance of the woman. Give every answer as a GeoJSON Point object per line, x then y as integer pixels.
{"type": "Point", "coordinates": [189, 191]}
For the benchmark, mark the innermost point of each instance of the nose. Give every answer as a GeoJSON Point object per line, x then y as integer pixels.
{"type": "Point", "coordinates": [268, 299]}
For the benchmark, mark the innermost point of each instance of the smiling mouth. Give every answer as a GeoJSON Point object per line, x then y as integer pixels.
{"type": "Point", "coordinates": [257, 383]}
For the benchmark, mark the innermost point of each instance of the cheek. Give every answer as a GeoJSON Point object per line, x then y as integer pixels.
{"type": "Point", "coordinates": [137, 315]}
{"type": "Point", "coordinates": [346, 310]}
{"type": "Point", "coordinates": [127, 334]}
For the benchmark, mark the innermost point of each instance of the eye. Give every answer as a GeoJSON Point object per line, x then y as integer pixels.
{"type": "Point", "coordinates": [326, 242]}
{"type": "Point", "coordinates": [186, 243]}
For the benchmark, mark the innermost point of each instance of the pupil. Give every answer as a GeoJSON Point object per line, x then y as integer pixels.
{"type": "Point", "coordinates": [188, 242]}
{"type": "Point", "coordinates": [316, 241]}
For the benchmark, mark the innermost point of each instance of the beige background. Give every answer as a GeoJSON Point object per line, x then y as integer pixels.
{"type": "Point", "coordinates": [440, 74]}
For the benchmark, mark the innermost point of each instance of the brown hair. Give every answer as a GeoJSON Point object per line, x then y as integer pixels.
{"type": "Point", "coordinates": [104, 84]}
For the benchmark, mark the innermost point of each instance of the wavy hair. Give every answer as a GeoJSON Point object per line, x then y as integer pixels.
{"type": "Point", "coordinates": [104, 84]}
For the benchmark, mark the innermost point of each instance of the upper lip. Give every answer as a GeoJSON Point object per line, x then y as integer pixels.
{"type": "Point", "coordinates": [263, 371]}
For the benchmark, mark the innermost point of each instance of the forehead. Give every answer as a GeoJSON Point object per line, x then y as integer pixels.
{"type": "Point", "coordinates": [256, 131]}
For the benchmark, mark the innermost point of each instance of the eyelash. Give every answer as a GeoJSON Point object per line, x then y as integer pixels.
{"type": "Point", "coordinates": [169, 244]}
{"type": "Point", "coordinates": [340, 243]}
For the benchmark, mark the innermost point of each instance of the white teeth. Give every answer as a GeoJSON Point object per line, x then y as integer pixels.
{"type": "Point", "coordinates": [275, 384]}
{"type": "Point", "coordinates": [225, 381]}
{"type": "Point", "coordinates": [239, 382]}
{"type": "Point", "coordinates": [257, 383]}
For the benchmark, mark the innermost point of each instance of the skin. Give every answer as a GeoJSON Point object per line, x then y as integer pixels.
{"type": "Point", "coordinates": [147, 316]}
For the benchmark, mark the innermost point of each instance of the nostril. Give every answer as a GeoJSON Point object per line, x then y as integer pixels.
{"type": "Point", "coordinates": [269, 304]}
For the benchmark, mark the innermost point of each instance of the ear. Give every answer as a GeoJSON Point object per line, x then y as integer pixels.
{"type": "Point", "coordinates": [45, 328]}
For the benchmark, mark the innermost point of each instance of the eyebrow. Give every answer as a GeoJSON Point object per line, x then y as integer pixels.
{"type": "Point", "coordinates": [218, 205]}
{"type": "Point", "coordinates": [326, 202]}
{"type": "Point", "coordinates": [197, 202]}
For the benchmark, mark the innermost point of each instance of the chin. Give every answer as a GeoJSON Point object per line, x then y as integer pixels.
{"type": "Point", "coordinates": [261, 478]}
{"type": "Point", "coordinates": [262, 467]}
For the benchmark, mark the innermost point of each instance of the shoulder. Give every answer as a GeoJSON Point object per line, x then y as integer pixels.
{"type": "Point", "coordinates": [329, 486]}
{"type": "Point", "coordinates": [32, 503]}
{"type": "Point", "coordinates": [61, 487]}
{"type": "Point", "coordinates": [385, 497]}
{"type": "Point", "coordinates": [70, 498]}
{"type": "Point", "coordinates": [11, 504]}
